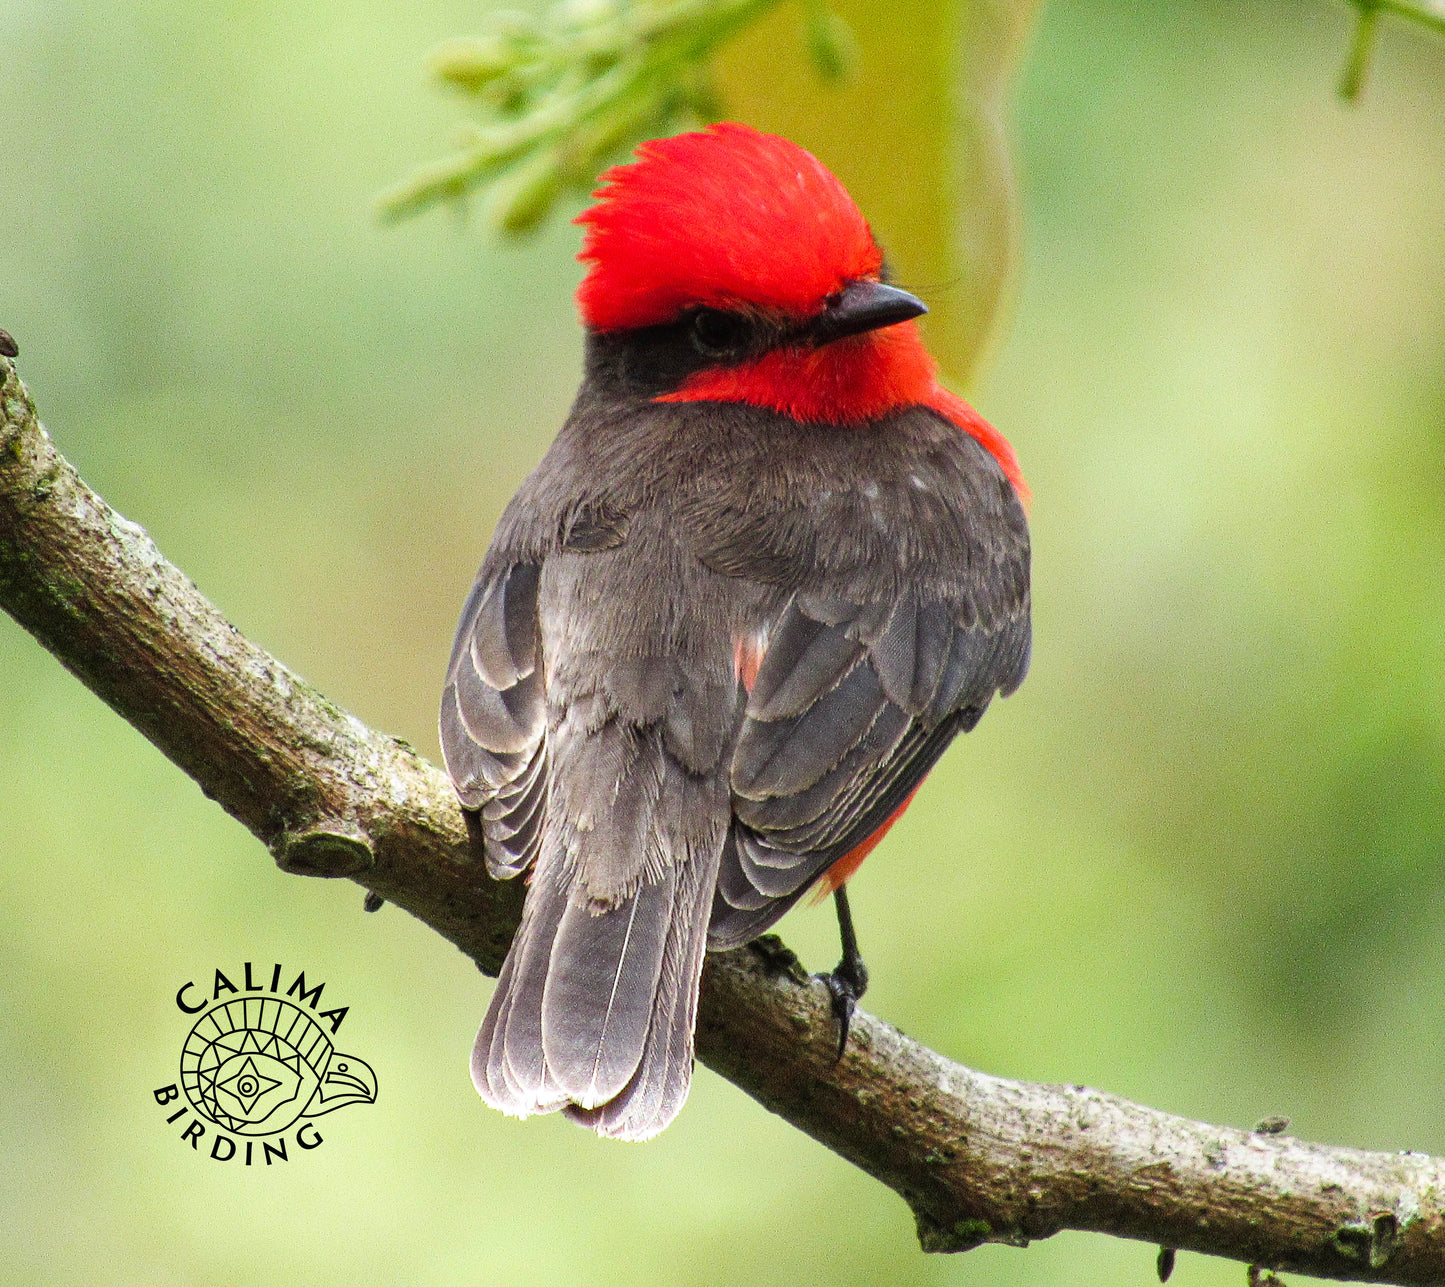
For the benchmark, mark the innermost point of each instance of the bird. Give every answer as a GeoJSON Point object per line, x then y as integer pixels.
{"type": "Point", "coordinates": [766, 572]}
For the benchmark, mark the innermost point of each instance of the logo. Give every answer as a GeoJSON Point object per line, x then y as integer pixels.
{"type": "Point", "coordinates": [257, 1063]}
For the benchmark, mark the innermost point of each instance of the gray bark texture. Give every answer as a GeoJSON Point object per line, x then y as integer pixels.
{"type": "Point", "coordinates": [977, 1158]}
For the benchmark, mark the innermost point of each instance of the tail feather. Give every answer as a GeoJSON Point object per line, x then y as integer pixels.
{"type": "Point", "coordinates": [659, 1088]}
{"type": "Point", "coordinates": [594, 1009]}
{"type": "Point", "coordinates": [508, 1069]}
{"type": "Point", "coordinates": [601, 981]}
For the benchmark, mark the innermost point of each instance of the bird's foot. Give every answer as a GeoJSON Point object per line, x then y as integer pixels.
{"type": "Point", "coordinates": [779, 959]}
{"type": "Point", "coordinates": [845, 985]}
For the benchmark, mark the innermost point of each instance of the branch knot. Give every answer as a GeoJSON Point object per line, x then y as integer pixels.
{"type": "Point", "coordinates": [330, 849]}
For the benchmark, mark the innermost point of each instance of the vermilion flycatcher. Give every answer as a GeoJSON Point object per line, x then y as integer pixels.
{"type": "Point", "coordinates": [765, 574]}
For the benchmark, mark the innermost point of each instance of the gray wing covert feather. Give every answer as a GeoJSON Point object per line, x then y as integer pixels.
{"type": "Point", "coordinates": [493, 717]}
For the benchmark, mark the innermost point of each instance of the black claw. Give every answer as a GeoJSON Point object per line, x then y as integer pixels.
{"type": "Point", "coordinates": [374, 901]}
{"type": "Point", "coordinates": [849, 980]}
{"type": "Point", "coordinates": [778, 958]}
{"type": "Point", "coordinates": [844, 993]}
{"type": "Point", "coordinates": [1164, 1266]}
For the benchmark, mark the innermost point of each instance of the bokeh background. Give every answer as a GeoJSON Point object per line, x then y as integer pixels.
{"type": "Point", "coordinates": [1195, 861]}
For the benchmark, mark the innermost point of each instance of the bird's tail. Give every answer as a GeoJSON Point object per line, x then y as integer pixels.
{"type": "Point", "coordinates": [595, 1008]}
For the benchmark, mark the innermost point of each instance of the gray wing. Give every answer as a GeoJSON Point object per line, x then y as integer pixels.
{"type": "Point", "coordinates": [851, 708]}
{"type": "Point", "coordinates": [493, 717]}
{"type": "Point", "coordinates": [868, 674]}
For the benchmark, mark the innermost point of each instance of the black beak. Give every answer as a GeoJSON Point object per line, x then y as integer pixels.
{"type": "Point", "coordinates": [864, 306]}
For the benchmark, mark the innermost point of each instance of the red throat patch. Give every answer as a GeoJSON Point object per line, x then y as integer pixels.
{"type": "Point", "coordinates": [851, 382]}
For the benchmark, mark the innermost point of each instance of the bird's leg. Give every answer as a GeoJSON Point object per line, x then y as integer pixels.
{"type": "Point", "coordinates": [849, 980]}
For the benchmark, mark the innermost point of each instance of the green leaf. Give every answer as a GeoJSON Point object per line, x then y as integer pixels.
{"type": "Point", "coordinates": [917, 135]}
{"type": "Point", "coordinates": [831, 42]}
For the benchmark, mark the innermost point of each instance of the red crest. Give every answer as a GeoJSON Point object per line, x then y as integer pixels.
{"type": "Point", "coordinates": [727, 218]}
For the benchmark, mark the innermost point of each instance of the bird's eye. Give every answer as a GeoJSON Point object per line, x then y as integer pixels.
{"type": "Point", "coordinates": [717, 334]}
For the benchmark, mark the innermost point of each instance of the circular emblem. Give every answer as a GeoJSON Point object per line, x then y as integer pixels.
{"type": "Point", "coordinates": [255, 1065]}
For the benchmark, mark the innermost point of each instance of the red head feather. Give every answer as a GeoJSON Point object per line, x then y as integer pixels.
{"type": "Point", "coordinates": [729, 218]}
{"type": "Point", "coordinates": [722, 218]}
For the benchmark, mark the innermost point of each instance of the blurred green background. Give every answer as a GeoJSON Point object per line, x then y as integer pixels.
{"type": "Point", "coordinates": [1195, 861]}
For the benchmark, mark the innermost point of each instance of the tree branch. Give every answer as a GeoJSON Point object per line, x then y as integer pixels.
{"type": "Point", "coordinates": [562, 93]}
{"type": "Point", "coordinates": [977, 1158]}
{"type": "Point", "coordinates": [1430, 14]}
